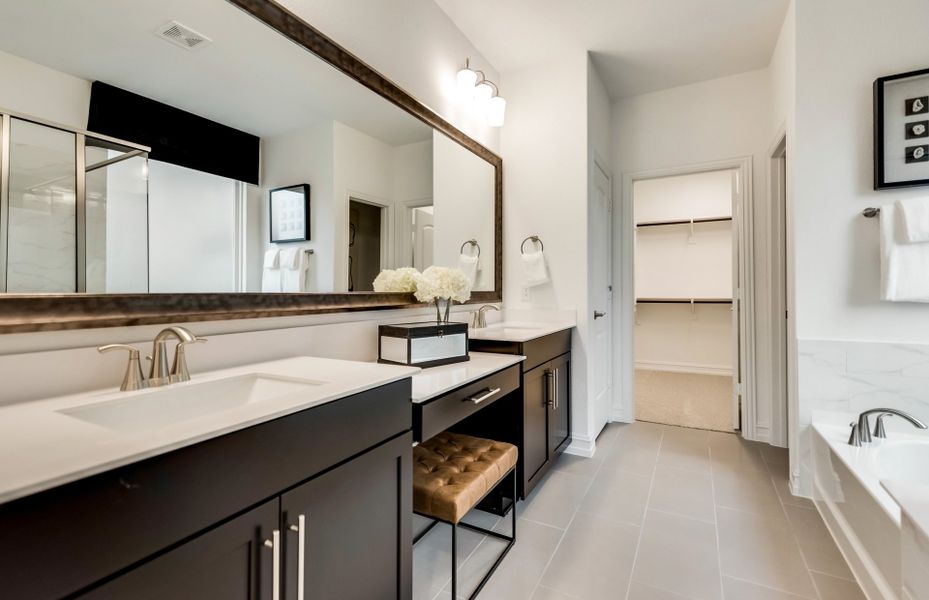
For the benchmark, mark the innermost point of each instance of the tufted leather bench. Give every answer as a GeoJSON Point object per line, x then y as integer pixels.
{"type": "Point", "coordinates": [451, 474]}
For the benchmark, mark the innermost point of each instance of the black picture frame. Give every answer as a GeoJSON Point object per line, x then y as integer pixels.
{"type": "Point", "coordinates": [299, 224]}
{"type": "Point", "coordinates": [881, 106]}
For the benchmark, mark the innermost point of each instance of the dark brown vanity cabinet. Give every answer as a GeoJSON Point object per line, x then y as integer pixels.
{"type": "Point", "coordinates": [233, 517]}
{"type": "Point", "coordinates": [546, 401]}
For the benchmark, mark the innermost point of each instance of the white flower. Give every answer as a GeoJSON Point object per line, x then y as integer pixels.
{"type": "Point", "coordinates": [402, 280]}
{"type": "Point", "coordinates": [443, 282]}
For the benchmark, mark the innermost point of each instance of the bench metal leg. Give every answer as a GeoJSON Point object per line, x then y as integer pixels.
{"type": "Point", "coordinates": [454, 561]}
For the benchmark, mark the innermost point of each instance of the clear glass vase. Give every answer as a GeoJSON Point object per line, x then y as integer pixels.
{"type": "Point", "coordinates": [442, 307]}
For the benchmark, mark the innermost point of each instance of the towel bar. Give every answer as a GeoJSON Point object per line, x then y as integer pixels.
{"type": "Point", "coordinates": [533, 238]}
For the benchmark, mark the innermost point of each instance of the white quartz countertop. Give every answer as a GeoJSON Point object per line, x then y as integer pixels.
{"type": "Point", "coordinates": [42, 446]}
{"type": "Point", "coordinates": [436, 381]}
{"type": "Point", "coordinates": [518, 331]}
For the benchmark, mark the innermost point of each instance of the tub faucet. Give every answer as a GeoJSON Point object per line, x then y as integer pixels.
{"type": "Point", "coordinates": [861, 431]}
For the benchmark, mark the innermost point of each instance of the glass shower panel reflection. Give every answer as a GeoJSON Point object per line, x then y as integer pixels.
{"type": "Point", "coordinates": [117, 219]}
{"type": "Point", "coordinates": [41, 227]}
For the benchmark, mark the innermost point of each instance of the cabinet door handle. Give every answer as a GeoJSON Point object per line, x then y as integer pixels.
{"type": "Point", "coordinates": [557, 399]}
{"type": "Point", "coordinates": [550, 388]}
{"type": "Point", "coordinates": [275, 545]}
{"type": "Point", "coordinates": [477, 399]}
{"type": "Point", "coordinates": [300, 528]}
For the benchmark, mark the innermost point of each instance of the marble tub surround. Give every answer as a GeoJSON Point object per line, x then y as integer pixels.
{"type": "Point", "coordinates": [435, 381]}
{"type": "Point", "coordinates": [53, 447]}
{"type": "Point", "coordinates": [914, 536]}
{"type": "Point", "coordinates": [850, 377]}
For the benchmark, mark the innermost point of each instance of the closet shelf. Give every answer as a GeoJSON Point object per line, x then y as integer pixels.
{"type": "Point", "coordinates": [683, 221]}
{"type": "Point", "coordinates": [683, 300]}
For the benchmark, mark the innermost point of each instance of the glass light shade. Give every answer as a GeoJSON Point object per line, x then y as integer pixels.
{"type": "Point", "coordinates": [467, 79]}
{"type": "Point", "coordinates": [482, 95]}
{"type": "Point", "coordinates": [496, 111]}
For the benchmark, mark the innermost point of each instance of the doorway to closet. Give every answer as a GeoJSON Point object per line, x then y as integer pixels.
{"type": "Point", "coordinates": [686, 325]}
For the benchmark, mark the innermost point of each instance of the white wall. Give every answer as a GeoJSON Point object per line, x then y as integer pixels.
{"type": "Point", "coordinates": [37, 90]}
{"type": "Point", "coordinates": [670, 262]}
{"type": "Point", "coordinates": [303, 157]}
{"type": "Point", "coordinates": [545, 194]}
{"type": "Point", "coordinates": [708, 121]}
{"type": "Point", "coordinates": [463, 208]}
{"type": "Point", "coordinates": [842, 326]}
{"type": "Point", "coordinates": [191, 226]}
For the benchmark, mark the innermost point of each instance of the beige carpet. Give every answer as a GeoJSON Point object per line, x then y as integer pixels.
{"type": "Point", "coordinates": [684, 399]}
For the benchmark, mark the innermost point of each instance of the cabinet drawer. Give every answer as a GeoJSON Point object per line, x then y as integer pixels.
{"type": "Point", "coordinates": [546, 348]}
{"type": "Point", "coordinates": [439, 414]}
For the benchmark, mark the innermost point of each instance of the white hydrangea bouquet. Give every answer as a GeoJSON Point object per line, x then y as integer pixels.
{"type": "Point", "coordinates": [441, 285]}
{"type": "Point", "coordinates": [402, 280]}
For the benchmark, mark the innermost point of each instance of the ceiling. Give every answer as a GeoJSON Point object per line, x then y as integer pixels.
{"type": "Point", "coordinates": [638, 46]}
{"type": "Point", "coordinates": [250, 77]}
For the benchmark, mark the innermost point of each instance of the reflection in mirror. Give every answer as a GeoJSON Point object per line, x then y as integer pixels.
{"type": "Point", "coordinates": [149, 202]}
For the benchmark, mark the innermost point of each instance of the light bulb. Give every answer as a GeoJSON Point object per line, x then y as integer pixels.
{"type": "Point", "coordinates": [482, 95]}
{"type": "Point", "coordinates": [467, 79]}
{"type": "Point", "coordinates": [496, 111]}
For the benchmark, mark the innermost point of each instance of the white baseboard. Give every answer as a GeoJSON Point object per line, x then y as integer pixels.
{"type": "Point", "coordinates": [673, 367]}
{"type": "Point", "coordinates": [581, 446]}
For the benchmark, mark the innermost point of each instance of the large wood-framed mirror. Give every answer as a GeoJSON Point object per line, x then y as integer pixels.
{"type": "Point", "coordinates": [138, 158]}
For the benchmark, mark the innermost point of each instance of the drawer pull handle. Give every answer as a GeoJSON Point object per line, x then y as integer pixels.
{"type": "Point", "coordinates": [275, 545]}
{"type": "Point", "coordinates": [550, 388]}
{"type": "Point", "coordinates": [477, 399]}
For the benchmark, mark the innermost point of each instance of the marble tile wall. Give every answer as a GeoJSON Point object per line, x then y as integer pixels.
{"type": "Point", "coordinates": [850, 376]}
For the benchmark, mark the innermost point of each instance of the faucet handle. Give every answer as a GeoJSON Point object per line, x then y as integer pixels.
{"type": "Point", "coordinates": [133, 378]}
{"type": "Point", "coordinates": [179, 370]}
{"type": "Point", "coordinates": [879, 431]}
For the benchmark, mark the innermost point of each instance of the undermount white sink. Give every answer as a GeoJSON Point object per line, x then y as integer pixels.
{"type": "Point", "coordinates": [161, 407]}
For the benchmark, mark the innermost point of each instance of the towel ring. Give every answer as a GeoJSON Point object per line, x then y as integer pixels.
{"type": "Point", "coordinates": [533, 238]}
{"type": "Point", "coordinates": [473, 243]}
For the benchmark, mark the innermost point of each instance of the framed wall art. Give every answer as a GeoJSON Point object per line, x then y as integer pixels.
{"type": "Point", "coordinates": [901, 130]}
{"type": "Point", "coordinates": [290, 213]}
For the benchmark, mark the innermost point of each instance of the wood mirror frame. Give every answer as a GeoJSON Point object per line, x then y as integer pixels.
{"type": "Point", "coordinates": [49, 312]}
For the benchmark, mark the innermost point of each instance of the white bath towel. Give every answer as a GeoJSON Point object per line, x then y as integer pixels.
{"type": "Point", "coordinates": [469, 265]}
{"type": "Point", "coordinates": [270, 271]}
{"type": "Point", "coordinates": [294, 265]}
{"type": "Point", "coordinates": [904, 266]}
{"type": "Point", "coordinates": [534, 270]}
{"type": "Point", "coordinates": [914, 217]}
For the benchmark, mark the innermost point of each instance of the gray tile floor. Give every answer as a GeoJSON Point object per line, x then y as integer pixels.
{"type": "Point", "coordinates": [660, 513]}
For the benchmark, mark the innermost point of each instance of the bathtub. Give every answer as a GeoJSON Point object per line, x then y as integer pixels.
{"type": "Point", "coordinates": [860, 514]}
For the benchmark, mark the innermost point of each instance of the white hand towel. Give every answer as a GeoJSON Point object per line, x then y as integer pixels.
{"type": "Point", "coordinates": [914, 214]}
{"type": "Point", "coordinates": [270, 271]}
{"type": "Point", "coordinates": [904, 266]}
{"type": "Point", "coordinates": [534, 269]}
{"type": "Point", "coordinates": [469, 266]}
{"type": "Point", "coordinates": [294, 264]}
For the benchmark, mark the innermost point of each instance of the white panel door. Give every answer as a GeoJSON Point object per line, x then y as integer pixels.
{"type": "Point", "coordinates": [601, 293]}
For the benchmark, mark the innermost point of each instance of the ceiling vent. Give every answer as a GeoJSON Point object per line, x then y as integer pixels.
{"type": "Point", "coordinates": [182, 35]}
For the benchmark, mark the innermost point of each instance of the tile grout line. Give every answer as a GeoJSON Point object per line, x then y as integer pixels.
{"type": "Point", "coordinates": [790, 526]}
{"type": "Point", "coordinates": [648, 498]}
{"type": "Point", "coordinates": [564, 532]}
{"type": "Point", "coordinates": [719, 554]}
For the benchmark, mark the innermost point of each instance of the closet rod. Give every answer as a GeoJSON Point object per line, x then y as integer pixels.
{"type": "Point", "coordinates": [684, 222]}
{"type": "Point", "coordinates": [683, 301]}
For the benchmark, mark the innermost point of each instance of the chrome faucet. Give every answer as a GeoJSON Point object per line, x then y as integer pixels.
{"type": "Point", "coordinates": [159, 374]}
{"type": "Point", "coordinates": [480, 319]}
{"type": "Point", "coordinates": [861, 431]}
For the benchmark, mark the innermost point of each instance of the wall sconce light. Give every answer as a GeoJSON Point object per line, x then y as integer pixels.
{"type": "Point", "coordinates": [474, 87]}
